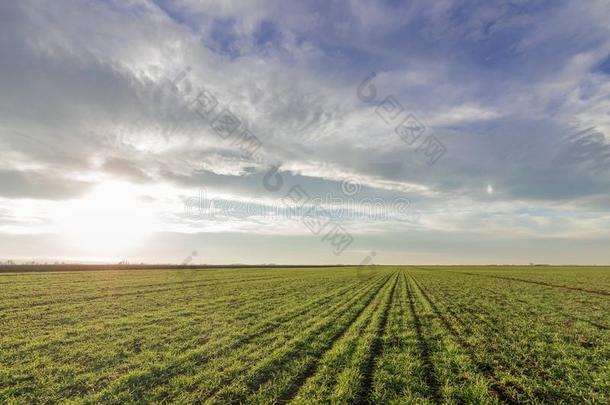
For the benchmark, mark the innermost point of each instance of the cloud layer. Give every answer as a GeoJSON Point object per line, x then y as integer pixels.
{"type": "Point", "coordinates": [107, 95]}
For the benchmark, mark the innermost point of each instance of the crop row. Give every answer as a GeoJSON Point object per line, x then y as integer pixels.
{"type": "Point", "coordinates": [377, 335]}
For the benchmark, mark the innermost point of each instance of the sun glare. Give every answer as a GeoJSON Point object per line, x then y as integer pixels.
{"type": "Point", "coordinates": [109, 219]}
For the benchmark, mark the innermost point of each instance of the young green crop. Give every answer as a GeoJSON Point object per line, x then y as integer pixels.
{"type": "Point", "coordinates": [307, 335]}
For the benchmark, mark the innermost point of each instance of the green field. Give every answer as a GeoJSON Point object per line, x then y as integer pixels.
{"type": "Point", "coordinates": [318, 335]}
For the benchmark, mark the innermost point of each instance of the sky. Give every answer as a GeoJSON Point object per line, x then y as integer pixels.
{"type": "Point", "coordinates": [313, 132]}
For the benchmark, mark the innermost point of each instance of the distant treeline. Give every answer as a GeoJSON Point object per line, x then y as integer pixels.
{"type": "Point", "coordinates": [26, 268]}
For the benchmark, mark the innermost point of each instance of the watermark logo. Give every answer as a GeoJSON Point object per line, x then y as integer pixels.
{"type": "Point", "coordinates": [188, 259]}
{"type": "Point", "coordinates": [408, 128]}
{"type": "Point", "coordinates": [296, 203]}
{"type": "Point", "coordinates": [351, 186]}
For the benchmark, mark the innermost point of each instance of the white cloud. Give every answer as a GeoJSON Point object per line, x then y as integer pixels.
{"type": "Point", "coordinates": [86, 103]}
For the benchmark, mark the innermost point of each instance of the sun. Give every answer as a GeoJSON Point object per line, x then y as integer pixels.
{"type": "Point", "coordinates": [110, 219]}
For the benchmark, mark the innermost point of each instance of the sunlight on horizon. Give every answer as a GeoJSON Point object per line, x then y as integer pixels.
{"type": "Point", "coordinates": [110, 219]}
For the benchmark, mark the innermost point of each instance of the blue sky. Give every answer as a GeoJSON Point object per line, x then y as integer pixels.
{"type": "Point", "coordinates": [103, 160]}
